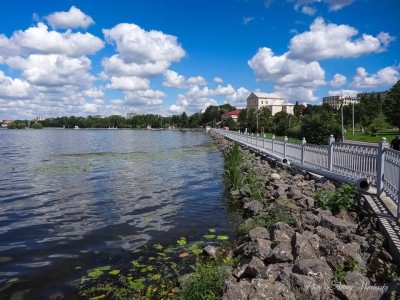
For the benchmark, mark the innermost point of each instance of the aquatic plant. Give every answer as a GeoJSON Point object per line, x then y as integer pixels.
{"type": "Point", "coordinates": [155, 276]}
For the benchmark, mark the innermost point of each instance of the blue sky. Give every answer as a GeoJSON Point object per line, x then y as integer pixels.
{"type": "Point", "coordinates": [101, 57]}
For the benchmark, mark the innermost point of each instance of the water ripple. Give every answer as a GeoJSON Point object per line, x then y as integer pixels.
{"type": "Point", "coordinates": [72, 199]}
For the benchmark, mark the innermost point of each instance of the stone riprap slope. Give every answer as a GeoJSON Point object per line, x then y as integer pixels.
{"type": "Point", "coordinates": [310, 253]}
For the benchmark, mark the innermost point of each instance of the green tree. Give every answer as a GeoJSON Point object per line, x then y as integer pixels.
{"type": "Point", "coordinates": [184, 122]}
{"type": "Point", "coordinates": [117, 121]}
{"type": "Point", "coordinates": [281, 123]}
{"type": "Point", "coordinates": [231, 124]}
{"type": "Point", "coordinates": [392, 105]}
{"type": "Point", "coordinates": [252, 120]}
{"type": "Point", "coordinates": [37, 126]}
{"type": "Point", "coordinates": [224, 108]}
{"type": "Point", "coordinates": [299, 109]}
{"type": "Point", "coordinates": [195, 120]}
{"type": "Point", "coordinates": [211, 115]}
{"type": "Point", "coordinates": [317, 127]}
{"type": "Point", "coordinates": [265, 120]}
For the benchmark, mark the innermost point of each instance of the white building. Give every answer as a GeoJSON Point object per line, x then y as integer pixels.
{"type": "Point", "coordinates": [273, 102]}
{"type": "Point", "coordinates": [336, 101]}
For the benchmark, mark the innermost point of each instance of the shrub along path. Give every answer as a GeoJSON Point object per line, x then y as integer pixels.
{"type": "Point", "coordinates": [302, 237]}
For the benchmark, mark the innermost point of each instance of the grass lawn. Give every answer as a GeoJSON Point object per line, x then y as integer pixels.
{"type": "Point", "coordinates": [359, 136]}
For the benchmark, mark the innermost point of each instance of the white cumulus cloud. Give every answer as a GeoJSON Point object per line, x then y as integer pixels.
{"type": "Point", "coordinates": [283, 70]}
{"type": "Point", "coordinates": [73, 18]}
{"type": "Point", "coordinates": [13, 88]}
{"type": "Point", "coordinates": [338, 80]}
{"type": "Point", "coordinates": [174, 80]}
{"type": "Point", "coordinates": [141, 53]}
{"type": "Point", "coordinates": [131, 83]}
{"type": "Point", "coordinates": [384, 77]}
{"type": "Point", "coordinates": [324, 41]}
{"type": "Point", "coordinates": [135, 45]}
{"type": "Point", "coordinates": [54, 70]}
{"type": "Point", "coordinates": [40, 40]}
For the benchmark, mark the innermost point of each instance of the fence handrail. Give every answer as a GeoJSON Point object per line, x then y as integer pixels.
{"type": "Point", "coordinates": [378, 166]}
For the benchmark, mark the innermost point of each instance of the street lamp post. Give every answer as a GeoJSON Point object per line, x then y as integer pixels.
{"type": "Point", "coordinates": [341, 109]}
{"type": "Point", "coordinates": [353, 118]}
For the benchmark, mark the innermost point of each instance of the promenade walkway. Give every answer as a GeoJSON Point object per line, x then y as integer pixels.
{"type": "Point", "coordinates": [375, 169]}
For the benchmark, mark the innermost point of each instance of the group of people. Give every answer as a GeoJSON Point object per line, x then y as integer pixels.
{"type": "Point", "coordinates": [395, 143]}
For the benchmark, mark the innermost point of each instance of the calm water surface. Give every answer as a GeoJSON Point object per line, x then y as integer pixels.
{"type": "Point", "coordinates": [73, 199]}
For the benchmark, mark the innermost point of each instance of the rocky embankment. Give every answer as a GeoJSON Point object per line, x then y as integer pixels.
{"type": "Point", "coordinates": [312, 253]}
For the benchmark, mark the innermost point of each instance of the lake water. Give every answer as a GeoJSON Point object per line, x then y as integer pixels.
{"type": "Point", "coordinates": [73, 199]}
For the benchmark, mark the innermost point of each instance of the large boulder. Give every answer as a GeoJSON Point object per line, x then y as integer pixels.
{"type": "Point", "coordinates": [315, 268]}
{"type": "Point", "coordinates": [252, 208]}
{"type": "Point", "coordinates": [306, 245]}
{"type": "Point", "coordinates": [258, 247]}
{"type": "Point", "coordinates": [337, 225]}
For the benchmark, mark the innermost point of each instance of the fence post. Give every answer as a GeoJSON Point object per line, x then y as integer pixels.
{"type": "Point", "coordinates": [284, 146]}
{"type": "Point", "coordinates": [303, 142]}
{"type": "Point", "coordinates": [380, 165]}
{"type": "Point", "coordinates": [257, 139]}
{"type": "Point", "coordinates": [273, 142]}
{"type": "Point", "coordinates": [264, 141]}
{"type": "Point", "coordinates": [331, 140]}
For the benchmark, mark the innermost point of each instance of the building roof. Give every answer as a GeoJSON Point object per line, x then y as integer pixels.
{"type": "Point", "coordinates": [235, 112]}
{"type": "Point", "coordinates": [266, 95]}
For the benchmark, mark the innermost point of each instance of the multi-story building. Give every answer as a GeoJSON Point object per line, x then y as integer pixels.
{"type": "Point", "coordinates": [337, 101]}
{"type": "Point", "coordinates": [376, 95]}
{"type": "Point", "coordinates": [273, 102]}
{"type": "Point", "coordinates": [234, 114]}
{"type": "Point", "coordinates": [130, 115]}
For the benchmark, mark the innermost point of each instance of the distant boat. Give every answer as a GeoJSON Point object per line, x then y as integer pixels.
{"type": "Point", "coordinates": [149, 127]}
{"type": "Point", "coordinates": [76, 127]}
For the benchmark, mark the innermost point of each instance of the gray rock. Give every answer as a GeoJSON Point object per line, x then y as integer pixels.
{"type": "Point", "coordinates": [343, 253]}
{"type": "Point", "coordinates": [237, 290]}
{"type": "Point", "coordinates": [315, 268]}
{"type": "Point", "coordinates": [337, 225]}
{"type": "Point", "coordinates": [255, 268]}
{"type": "Point", "coordinates": [280, 193]}
{"type": "Point", "coordinates": [264, 289]}
{"type": "Point", "coordinates": [257, 233]}
{"type": "Point", "coordinates": [210, 250]}
{"type": "Point", "coordinates": [311, 219]}
{"type": "Point", "coordinates": [281, 232]}
{"type": "Point", "coordinates": [275, 176]}
{"type": "Point", "coordinates": [277, 271]}
{"type": "Point", "coordinates": [306, 245]}
{"type": "Point", "coordinates": [280, 253]}
{"type": "Point", "coordinates": [306, 288]}
{"type": "Point", "coordinates": [259, 248]}
{"type": "Point", "coordinates": [252, 208]}
{"type": "Point", "coordinates": [294, 193]}
{"type": "Point", "coordinates": [238, 272]}
{"type": "Point", "coordinates": [325, 233]}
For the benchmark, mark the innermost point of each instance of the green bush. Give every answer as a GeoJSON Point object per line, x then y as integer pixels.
{"type": "Point", "coordinates": [334, 201]}
{"type": "Point", "coordinates": [273, 216]}
{"type": "Point", "coordinates": [37, 126]}
{"type": "Point", "coordinates": [206, 282]}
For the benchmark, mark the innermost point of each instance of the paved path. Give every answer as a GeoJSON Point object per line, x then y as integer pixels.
{"type": "Point", "coordinates": [361, 143]}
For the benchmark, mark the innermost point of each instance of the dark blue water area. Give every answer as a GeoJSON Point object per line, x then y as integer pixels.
{"type": "Point", "coordinates": [72, 200]}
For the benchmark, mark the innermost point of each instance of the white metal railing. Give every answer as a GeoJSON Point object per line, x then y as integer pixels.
{"type": "Point", "coordinates": [378, 166]}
